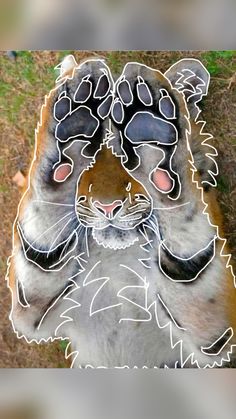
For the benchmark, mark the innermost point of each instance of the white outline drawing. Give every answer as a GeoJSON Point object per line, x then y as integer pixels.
{"type": "Point", "coordinates": [144, 222]}
{"type": "Point", "coordinates": [141, 82]}
{"type": "Point", "coordinates": [78, 134]}
{"type": "Point", "coordinates": [172, 181]}
{"type": "Point", "coordinates": [98, 84]}
{"type": "Point", "coordinates": [115, 102]}
{"type": "Point", "coordinates": [165, 95]}
{"type": "Point", "coordinates": [59, 167]}
{"type": "Point", "coordinates": [158, 142]}
{"type": "Point", "coordinates": [203, 349]}
{"type": "Point", "coordinates": [102, 104]}
{"type": "Point", "coordinates": [123, 80]}
{"type": "Point", "coordinates": [46, 252]}
{"type": "Point", "coordinates": [63, 95]}
{"type": "Point", "coordinates": [162, 245]}
{"type": "Point", "coordinates": [84, 80]}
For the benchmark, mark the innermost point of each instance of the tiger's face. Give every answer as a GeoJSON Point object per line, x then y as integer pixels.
{"type": "Point", "coordinates": [111, 202]}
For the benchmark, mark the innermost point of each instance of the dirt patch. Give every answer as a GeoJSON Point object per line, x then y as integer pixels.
{"type": "Point", "coordinates": [23, 84]}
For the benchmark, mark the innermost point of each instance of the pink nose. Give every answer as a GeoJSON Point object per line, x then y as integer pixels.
{"type": "Point", "coordinates": [109, 210]}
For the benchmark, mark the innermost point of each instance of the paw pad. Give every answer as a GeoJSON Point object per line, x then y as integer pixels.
{"type": "Point", "coordinates": [144, 93]}
{"type": "Point", "coordinates": [62, 107]}
{"type": "Point", "coordinates": [125, 93]}
{"type": "Point", "coordinates": [83, 91]}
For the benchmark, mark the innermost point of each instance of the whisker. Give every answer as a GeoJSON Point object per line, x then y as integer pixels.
{"type": "Point", "coordinates": [170, 208]}
{"type": "Point", "coordinates": [153, 225]}
{"type": "Point", "coordinates": [66, 246]}
{"type": "Point", "coordinates": [86, 241]}
{"type": "Point", "coordinates": [58, 235]}
{"type": "Point", "coordinates": [84, 207]}
{"type": "Point", "coordinates": [87, 216]}
{"type": "Point", "coordinates": [88, 222]}
{"type": "Point", "coordinates": [53, 203]}
{"type": "Point", "coordinates": [48, 229]}
{"type": "Point", "coordinates": [79, 230]}
{"type": "Point", "coordinates": [133, 219]}
{"type": "Point", "coordinates": [130, 215]}
{"type": "Point", "coordinates": [25, 220]}
{"type": "Point", "coordinates": [141, 203]}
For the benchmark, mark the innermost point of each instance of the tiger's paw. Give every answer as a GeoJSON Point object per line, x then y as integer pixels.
{"type": "Point", "coordinates": [143, 107]}
{"type": "Point", "coordinates": [145, 113]}
{"type": "Point", "coordinates": [79, 109]}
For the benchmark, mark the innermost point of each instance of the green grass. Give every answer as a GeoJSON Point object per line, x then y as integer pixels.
{"type": "Point", "coordinates": [63, 344]}
{"type": "Point", "coordinates": [23, 84]}
{"type": "Point", "coordinates": [4, 88]}
{"type": "Point", "coordinates": [23, 78]}
{"type": "Point", "coordinates": [219, 62]}
{"type": "Point", "coordinates": [113, 62]}
{"type": "Point", "coordinates": [4, 189]}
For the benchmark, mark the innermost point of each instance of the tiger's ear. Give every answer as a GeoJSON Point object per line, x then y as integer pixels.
{"type": "Point", "coordinates": [190, 77]}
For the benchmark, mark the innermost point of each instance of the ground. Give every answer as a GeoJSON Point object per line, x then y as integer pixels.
{"type": "Point", "coordinates": [23, 84]}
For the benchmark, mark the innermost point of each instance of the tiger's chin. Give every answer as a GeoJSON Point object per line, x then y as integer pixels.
{"type": "Point", "coordinates": [114, 238]}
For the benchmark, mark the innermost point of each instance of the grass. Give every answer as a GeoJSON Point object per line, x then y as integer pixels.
{"type": "Point", "coordinates": [23, 83]}
{"type": "Point", "coordinates": [219, 62]}
{"type": "Point", "coordinates": [63, 344]}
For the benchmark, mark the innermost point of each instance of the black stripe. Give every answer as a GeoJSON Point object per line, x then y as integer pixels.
{"type": "Point", "coordinates": [42, 258]}
{"type": "Point", "coordinates": [219, 344]}
{"type": "Point", "coordinates": [186, 270]}
{"type": "Point", "coordinates": [52, 301]}
{"type": "Point", "coordinates": [173, 318]}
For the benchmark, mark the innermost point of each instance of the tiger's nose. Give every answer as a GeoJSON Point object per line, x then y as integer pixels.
{"type": "Point", "coordinates": [109, 210]}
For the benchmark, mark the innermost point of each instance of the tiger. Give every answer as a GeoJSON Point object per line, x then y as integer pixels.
{"type": "Point", "coordinates": [118, 241]}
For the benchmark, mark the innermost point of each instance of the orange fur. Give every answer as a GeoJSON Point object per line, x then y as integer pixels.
{"type": "Point", "coordinates": [110, 184]}
{"type": "Point", "coordinates": [11, 277]}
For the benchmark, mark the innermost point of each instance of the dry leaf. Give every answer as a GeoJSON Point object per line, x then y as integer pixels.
{"type": "Point", "coordinates": [19, 179]}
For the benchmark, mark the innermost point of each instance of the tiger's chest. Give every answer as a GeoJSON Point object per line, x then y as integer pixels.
{"type": "Point", "coordinates": [119, 317]}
